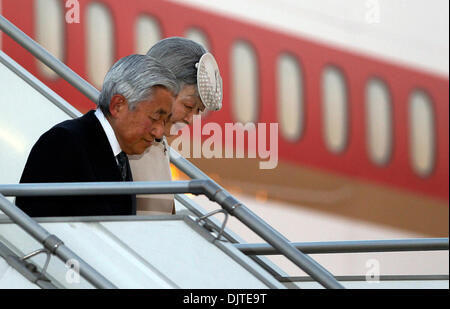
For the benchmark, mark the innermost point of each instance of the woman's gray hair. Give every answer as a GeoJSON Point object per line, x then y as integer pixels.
{"type": "Point", "coordinates": [179, 55]}
{"type": "Point", "coordinates": [134, 77]}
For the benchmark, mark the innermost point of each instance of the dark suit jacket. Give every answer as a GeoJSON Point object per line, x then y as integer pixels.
{"type": "Point", "coordinates": [74, 151]}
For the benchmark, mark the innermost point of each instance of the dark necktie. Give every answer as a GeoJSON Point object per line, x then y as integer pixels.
{"type": "Point", "coordinates": [125, 171]}
{"type": "Point", "coordinates": [124, 166]}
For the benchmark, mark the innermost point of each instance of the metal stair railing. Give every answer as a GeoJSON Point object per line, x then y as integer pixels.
{"type": "Point", "coordinates": [52, 62]}
{"type": "Point", "coordinates": [29, 271]}
{"type": "Point", "coordinates": [353, 246]}
{"type": "Point", "coordinates": [117, 188]}
{"type": "Point", "coordinates": [223, 197]}
{"type": "Point", "coordinates": [52, 243]}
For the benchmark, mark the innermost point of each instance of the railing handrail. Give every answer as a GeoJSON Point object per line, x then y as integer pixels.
{"type": "Point", "coordinates": [353, 246]}
{"type": "Point", "coordinates": [233, 206]}
{"type": "Point", "coordinates": [52, 62]}
{"type": "Point", "coordinates": [100, 188]}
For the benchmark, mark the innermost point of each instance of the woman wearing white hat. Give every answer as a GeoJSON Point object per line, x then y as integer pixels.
{"type": "Point", "coordinates": [200, 87]}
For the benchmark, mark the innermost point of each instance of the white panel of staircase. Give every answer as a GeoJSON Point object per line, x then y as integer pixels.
{"type": "Point", "coordinates": [184, 256]}
{"type": "Point", "coordinates": [165, 253]}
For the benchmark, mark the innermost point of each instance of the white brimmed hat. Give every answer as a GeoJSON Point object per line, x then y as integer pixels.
{"type": "Point", "coordinates": [209, 82]}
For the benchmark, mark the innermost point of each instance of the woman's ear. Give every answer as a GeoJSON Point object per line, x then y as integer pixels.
{"type": "Point", "coordinates": [117, 104]}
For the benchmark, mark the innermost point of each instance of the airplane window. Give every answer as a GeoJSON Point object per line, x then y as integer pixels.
{"type": "Point", "coordinates": [290, 97]}
{"type": "Point", "coordinates": [147, 33]}
{"type": "Point", "coordinates": [198, 36]}
{"type": "Point", "coordinates": [100, 43]}
{"type": "Point", "coordinates": [379, 122]}
{"type": "Point", "coordinates": [244, 84]}
{"type": "Point", "coordinates": [335, 110]}
{"type": "Point", "coordinates": [50, 27]}
{"type": "Point", "coordinates": [422, 133]}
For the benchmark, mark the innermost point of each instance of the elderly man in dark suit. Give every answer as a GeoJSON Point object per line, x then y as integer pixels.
{"type": "Point", "coordinates": [134, 104]}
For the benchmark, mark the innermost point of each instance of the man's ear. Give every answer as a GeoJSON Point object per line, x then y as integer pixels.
{"type": "Point", "coordinates": [117, 104]}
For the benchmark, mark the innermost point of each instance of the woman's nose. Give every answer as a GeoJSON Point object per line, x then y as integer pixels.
{"type": "Point", "coordinates": [189, 117]}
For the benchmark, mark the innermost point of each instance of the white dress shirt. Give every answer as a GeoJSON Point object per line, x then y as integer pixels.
{"type": "Point", "coordinates": [109, 132]}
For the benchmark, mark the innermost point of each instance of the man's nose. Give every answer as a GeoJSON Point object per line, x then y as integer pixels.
{"type": "Point", "coordinates": [158, 129]}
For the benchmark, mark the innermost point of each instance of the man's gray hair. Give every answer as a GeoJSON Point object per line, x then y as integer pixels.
{"type": "Point", "coordinates": [134, 77]}
{"type": "Point", "coordinates": [179, 55]}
